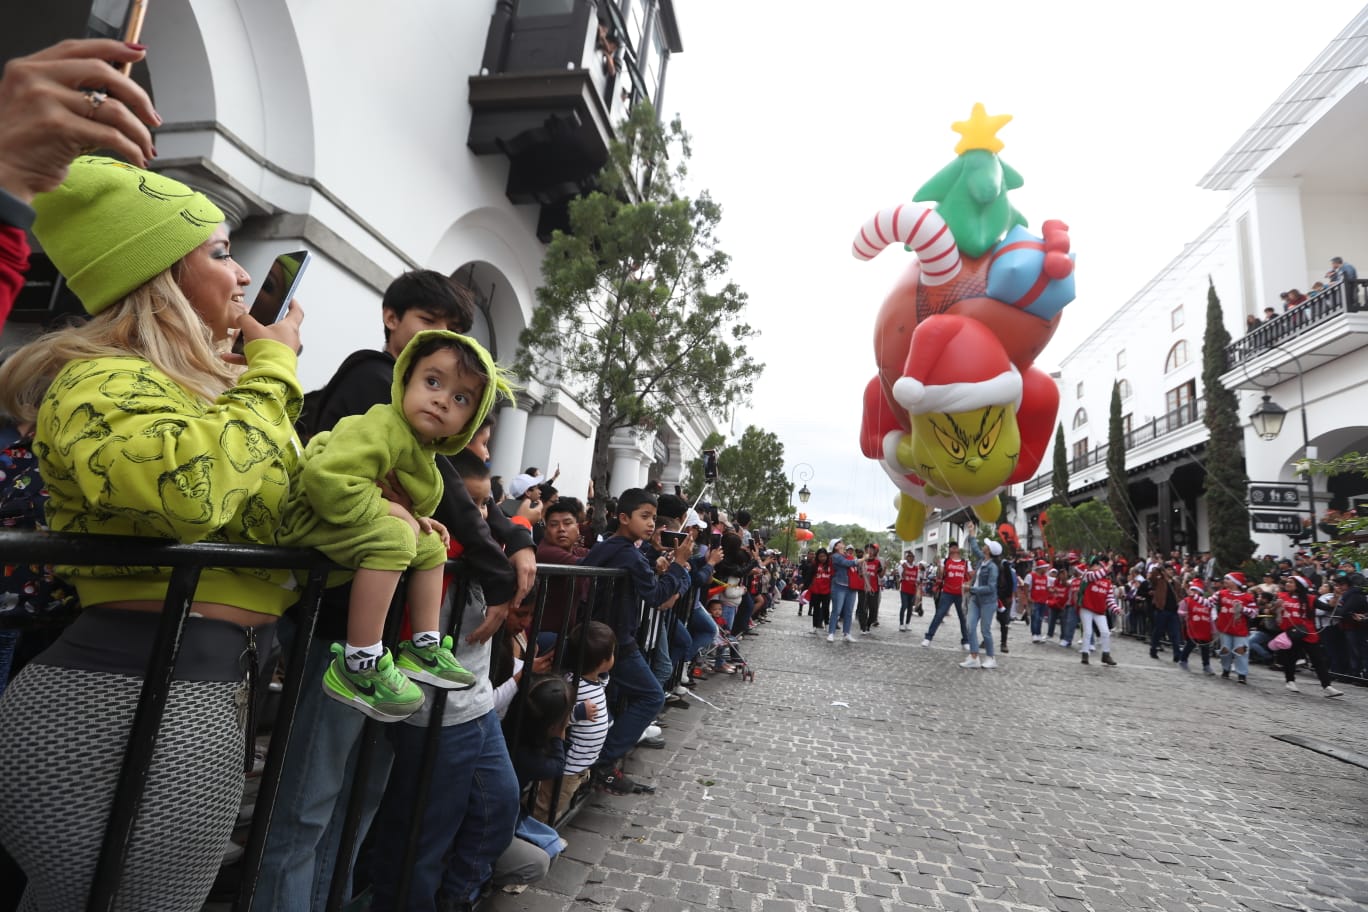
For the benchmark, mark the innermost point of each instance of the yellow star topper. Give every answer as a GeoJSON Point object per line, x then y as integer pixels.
{"type": "Point", "coordinates": [980, 130]}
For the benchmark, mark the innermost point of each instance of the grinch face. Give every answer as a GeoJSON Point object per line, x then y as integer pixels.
{"type": "Point", "coordinates": [965, 454]}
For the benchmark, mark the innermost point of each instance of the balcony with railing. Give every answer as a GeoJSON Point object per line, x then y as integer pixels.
{"type": "Point", "coordinates": [1165, 427]}
{"type": "Point", "coordinates": [556, 76]}
{"type": "Point", "coordinates": [1326, 322]}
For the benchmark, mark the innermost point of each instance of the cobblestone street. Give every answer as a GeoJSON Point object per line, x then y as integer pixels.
{"type": "Point", "coordinates": [878, 775]}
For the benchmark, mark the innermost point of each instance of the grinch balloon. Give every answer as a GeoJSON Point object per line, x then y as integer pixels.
{"type": "Point", "coordinates": [957, 411]}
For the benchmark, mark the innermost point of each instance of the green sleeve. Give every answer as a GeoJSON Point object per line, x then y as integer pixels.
{"type": "Point", "coordinates": [342, 466]}
{"type": "Point", "coordinates": [132, 441]}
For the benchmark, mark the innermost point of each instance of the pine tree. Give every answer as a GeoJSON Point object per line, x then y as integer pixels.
{"type": "Point", "coordinates": [1060, 480]}
{"type": "Point", "coordinates": [1118, 486]}
{"type": "Point", "coordinates": [636, 316]}
{"type": "Point", "coordinates": [1226, 481]}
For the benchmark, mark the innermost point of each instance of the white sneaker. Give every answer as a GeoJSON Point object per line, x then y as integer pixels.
{"type": "Point", "coordinates": [1292, 686]}
{"type": "Point", "coordinates": [1332, 692]}
{"type": "Point", "coordinates": [1064, 643]}
{"type": "Point", "coordinates": [970, 662]}
{"type": "Point", "coordinates": [925, 643]}
{"type": "Point", "coordinates": [831, 637]}
{"type": "Point", "coordinates": [681, 691]}
{"type": "Point", "coordinates": [849, 638]}
{"type": "Point", "coordinates": [988, 662]}
{"type": "Point", "coordinates": [965, 646]}
{"type": "Point", "coordinates": [651, 731]}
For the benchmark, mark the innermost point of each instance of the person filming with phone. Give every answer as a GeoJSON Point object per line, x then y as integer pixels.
{"type": "Point", "coordinates": [147, 426]}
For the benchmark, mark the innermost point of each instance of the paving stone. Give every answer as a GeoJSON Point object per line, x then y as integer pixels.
{"type": "Point", "coordinates": [1093, 793]}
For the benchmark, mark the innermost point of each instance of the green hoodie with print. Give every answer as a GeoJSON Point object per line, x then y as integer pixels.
{"type": "Point", "coordinates": [337, 507]}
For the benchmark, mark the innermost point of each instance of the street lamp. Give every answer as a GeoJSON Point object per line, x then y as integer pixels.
{"type": "Point", "coordinates": [801, 472]}
{"type": "Point", "coordinates": [1267, 420]}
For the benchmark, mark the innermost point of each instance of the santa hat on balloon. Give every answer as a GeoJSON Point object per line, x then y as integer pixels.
{"type": "Point", "coordinates": [956, 364]}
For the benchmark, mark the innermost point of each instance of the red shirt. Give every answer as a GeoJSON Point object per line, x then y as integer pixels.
{"type": "Point", "coordinates": [821, 580]}
{"type": "Point", "coordinates": [1057, 595]}
{"type": "Point", "coordinates": [854, 578]}
{"type": "Point", "coordinates": [1197, 611]}
{"type": "Point", "coordinates": [1099, 596]}
{"type": "Point", "coordinates": [1233, 611]}
{"type": "Point", "coordinates": [1296, 613]}
{"type": "Point", "coordinates": [1039, 584]}
{"type": "Point", "coordinates": [956, 569]}
{"type": "Point", "coordinates": [873, 572]}
{"type": "Point", "coordinates": [909, 578]}
{"type": "Point", "coordinates": [14, 253]}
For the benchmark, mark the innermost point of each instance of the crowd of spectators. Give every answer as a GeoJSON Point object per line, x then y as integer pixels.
{"type": "Point", "coordinates": [1295, 302]}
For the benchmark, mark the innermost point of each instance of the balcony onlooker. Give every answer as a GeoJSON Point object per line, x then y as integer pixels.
{"type": "Point", "coordinates": [1341, 271]}
{"type": "Point", "coordinates": [1252, 323]}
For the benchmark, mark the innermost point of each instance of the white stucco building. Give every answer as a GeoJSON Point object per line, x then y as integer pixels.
{"type": "Point", "coordinates": [1298, 185]}
{"type": "Point", "coordinates": [388, 137]}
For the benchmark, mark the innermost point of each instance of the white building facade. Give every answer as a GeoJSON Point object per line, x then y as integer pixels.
{"type": "Point", "coordinates": [1298, 184]}
{"type": "Point", "coordinates": [389, 137]}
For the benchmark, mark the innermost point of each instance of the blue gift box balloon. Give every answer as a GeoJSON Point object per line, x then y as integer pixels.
{"type": "Point", "coordinates": [1016, 276]}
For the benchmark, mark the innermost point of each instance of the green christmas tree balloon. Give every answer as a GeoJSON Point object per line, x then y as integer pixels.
{"type": "Point", "coordinates": [971, 191]}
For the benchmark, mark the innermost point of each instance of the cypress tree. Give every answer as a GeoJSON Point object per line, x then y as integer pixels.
{"type": "Point", "coordinates": [1118, 487]}
{"type": "Point", "coordinates": [1226, 482]}
{"type": "Point", "coordinates": [1060, 479]}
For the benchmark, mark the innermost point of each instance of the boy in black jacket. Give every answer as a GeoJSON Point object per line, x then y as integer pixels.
{"type": "Point", "coordinates": [632, 679]}
{"type": "Point", "coordinates": [297, 865]}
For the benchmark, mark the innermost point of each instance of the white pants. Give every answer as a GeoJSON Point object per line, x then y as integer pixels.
{"type": "Point", "coordinates": [1088, 620]}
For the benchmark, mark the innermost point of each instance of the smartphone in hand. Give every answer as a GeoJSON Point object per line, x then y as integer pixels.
{"type": "Point", "coordinates": [673, 539]}
{"type": "Point", "coordinates": [281, 284]}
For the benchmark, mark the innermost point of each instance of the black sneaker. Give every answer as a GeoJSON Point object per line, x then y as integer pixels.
{"type": "Point", "coordinates": [615, 781]}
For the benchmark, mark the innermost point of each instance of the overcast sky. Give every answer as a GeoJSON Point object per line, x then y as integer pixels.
{"type": "Point", "coordinates": [805, 123]}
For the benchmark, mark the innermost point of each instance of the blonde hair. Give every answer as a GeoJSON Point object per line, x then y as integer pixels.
{"type": "Point", "coordinates": [154, 321]}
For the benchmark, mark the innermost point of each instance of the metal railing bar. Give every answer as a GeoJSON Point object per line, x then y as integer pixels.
{"type": "Point", "coordinates": [142, 739]}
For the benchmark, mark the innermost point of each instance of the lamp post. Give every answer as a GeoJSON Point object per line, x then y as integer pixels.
{"type": "Point", "coordinates": [1267, 420]}
{"type": "Point", "coordinates": [801, 472]}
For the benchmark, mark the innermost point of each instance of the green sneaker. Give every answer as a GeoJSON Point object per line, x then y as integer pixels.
{"type": "Point", "coordinates": [381, 693]}
{"type": "Point", "coordinates": [433, 665]}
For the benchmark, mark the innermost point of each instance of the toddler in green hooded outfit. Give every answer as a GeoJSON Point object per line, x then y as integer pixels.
{"type": "Point", "coordinates": [445, 385]}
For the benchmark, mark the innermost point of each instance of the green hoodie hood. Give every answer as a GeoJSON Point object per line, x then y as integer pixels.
{"type": "Point", "coordinates": [496, 386]}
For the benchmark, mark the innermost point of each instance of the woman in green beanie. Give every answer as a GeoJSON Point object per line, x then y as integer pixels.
{"type": "Point", "coordinates": [145, 426]}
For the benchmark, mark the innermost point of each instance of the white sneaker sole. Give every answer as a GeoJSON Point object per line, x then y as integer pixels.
{"type": "Point", "coordinates": [427, 677]}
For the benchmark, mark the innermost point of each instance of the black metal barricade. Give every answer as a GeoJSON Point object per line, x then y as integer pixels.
{"type": "Point", "coordinates": [186, 563]}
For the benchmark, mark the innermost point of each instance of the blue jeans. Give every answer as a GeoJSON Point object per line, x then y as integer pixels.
{"type": "Point", "coordinates": [671, 645]}
{"type": "Point", "coordinates": [468, 821]}
{"type": "Point", "coordinates": [942, 609]}
{"type": "Point", "coordinates": [631, 679]}
{"type": "Point", "coordinates": [1038, 613]}
{"type": "Point", "coordinates": [909, 604]}
{"type": "Point", "coordinates": [1258, 645]}
{"type": "Point", "coordinates": [1070, 623]}
{"type": "Point", "coordinates": [842, 608]}
{"type": "Point", "coordinates": [702, 631]}
{"type": "Point", "coordinates": [301, 847]}
{"type": "Point", "coordinates": [982, 610]}
{"type": "Point", "coordinates": [1165, 624]}
{"type": "Point", "coordinates": [1235, 649]}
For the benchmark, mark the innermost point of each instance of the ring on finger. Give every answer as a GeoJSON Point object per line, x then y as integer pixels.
{"type": "Point", "coordinates": [95, 98]}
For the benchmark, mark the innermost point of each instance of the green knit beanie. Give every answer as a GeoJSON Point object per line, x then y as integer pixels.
{"type": "Point", "coordinates": [111, 227]}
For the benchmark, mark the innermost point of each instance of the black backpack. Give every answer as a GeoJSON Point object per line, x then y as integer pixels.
{"type": "Point", "coordinates": [1006, 587]}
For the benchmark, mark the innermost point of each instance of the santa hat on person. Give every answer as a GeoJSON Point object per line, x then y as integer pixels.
{"type": "Point", "coordinates": [1042, 565]}
{"type": "Point", "coordinates": [956, 364]}
{"type": "Point", "coordinates": [1196, 586]}
{"type": "Point", "coordinates": [1305, 583]}
{"type": "Point", "coordinates": [1237, 578]}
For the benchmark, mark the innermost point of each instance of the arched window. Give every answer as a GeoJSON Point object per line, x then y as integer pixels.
{"type": "Point", "coordinates": [1177, 356]}
{"type": "Point", "coordinates": [1125, 388]}
{"type": "Point", "coordinates": [1080, 419]}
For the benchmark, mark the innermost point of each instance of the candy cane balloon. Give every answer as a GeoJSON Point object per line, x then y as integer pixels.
{"type": "Point", "coordinates": [921, 230]}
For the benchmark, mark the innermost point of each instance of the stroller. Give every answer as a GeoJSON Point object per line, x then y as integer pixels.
{"type": "Point", "coordinates": [725, 647]}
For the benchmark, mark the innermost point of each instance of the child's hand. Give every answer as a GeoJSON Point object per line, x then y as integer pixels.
{"type": "Point", "coordinates": [591, 710]}
{"type": "Point", "coordinates": [714, 556]}
{"type": "Point", "coordinates": [662, 564]}
{"type": "Point", "coordinates": [545, 662]}
{"type": "Point", "coordinates": [428, 524]}
{"type": "Point", "coordinates": [393, 491]}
